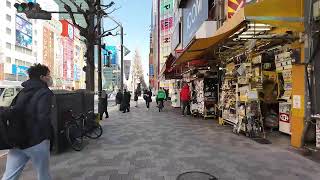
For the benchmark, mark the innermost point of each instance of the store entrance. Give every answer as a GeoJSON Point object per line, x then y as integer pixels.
{"type": "Point", "coordinates": [256, 94]}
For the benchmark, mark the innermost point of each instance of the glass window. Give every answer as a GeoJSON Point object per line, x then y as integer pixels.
{"type": "Point", "coordinates": [8, 3]}
{"type": "Point", "coordinates": [8, 92]}
{"type": "Point", "coordinates": [8, 17]}
{"type": "Point", "coordinates": [8, 60]}
{"type": "Point", "coordinates": [8, 45]}
{"type": "Point", "coordinates": [8, 31]}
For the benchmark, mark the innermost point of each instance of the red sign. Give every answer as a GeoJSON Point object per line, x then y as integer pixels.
{"type": "Point", "coordinates": [284, 117]}
{"type": "Point", "coordinates": [67, 29]}
{"type": "Point", "coordinates": [166, 23]}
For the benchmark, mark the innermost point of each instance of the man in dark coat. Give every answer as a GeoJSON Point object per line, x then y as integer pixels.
{"type": "Point", "coordinates": [36, 112]}
{"type": "Point", "coordinates": [119, 99]}
{"type": "Point", "coordinates": [126, 101]}
{"type": "Point", "coordinates": [103, 105]}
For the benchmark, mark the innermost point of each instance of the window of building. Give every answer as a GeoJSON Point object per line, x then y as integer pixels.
{"type": "Point", "coordinates": [8, 45]}
{"type": "Point", "coordinates": [23, 50]}
{"type": "Point", "coordinates": [8, 60]}
{"type": "Point", "coordinates": [35, 43]}
{"type": "Point", "coordinates": [8, 17]}
{"type": "Point", "coordinates": [8, 3]}
{"type": "Point", "coordinates": [8, 31]}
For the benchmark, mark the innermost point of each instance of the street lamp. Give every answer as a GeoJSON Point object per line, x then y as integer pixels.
{"type": "Point", "coordinates": [122, 52]}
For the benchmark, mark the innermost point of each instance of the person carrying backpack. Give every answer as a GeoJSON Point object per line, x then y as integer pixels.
{"type": "Point", "coordinates": [33, 103]}
{"type": "Point", "coordinates": [161, 96]}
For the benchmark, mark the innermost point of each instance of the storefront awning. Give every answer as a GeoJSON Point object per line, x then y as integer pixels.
{"type": "Point", "coordinates": [278, 13]}
{"type": "Point", "coordinates": [198, 46]}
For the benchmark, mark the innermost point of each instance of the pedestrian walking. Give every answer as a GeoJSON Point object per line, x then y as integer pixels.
{"type": "Point", "coordinates": [34, 101]}
{"type": "Point", "coordinates": [185, 99]}
{"type": "Point", "coordinates": [136, 97]}
{"type": "Point", "coordinates": [119, 97]}
{"type": "Point", "coordinates": [103, 105]}
{"type": "Point", "coordinates": [126, 101]}
{"type": "Point", "coordinates": [147, 96]}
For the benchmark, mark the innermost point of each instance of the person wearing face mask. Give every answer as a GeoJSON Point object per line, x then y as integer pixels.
{"type": "Point", "coordinates": [35, 102]}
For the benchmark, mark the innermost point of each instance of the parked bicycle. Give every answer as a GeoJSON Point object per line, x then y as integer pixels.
{"type": "Point", "coordinates": [78, 127]}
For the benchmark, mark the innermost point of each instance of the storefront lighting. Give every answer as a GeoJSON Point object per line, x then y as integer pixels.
{"type": "Point", "coordinates": [260, 29]}
{"type": "Point", "coordinates": [258, 25]}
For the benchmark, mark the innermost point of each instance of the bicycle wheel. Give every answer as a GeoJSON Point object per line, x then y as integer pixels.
{"type": "Point", "coordinates": [93, 130]}
{"type": "Point", "coordinates": [74, 136]}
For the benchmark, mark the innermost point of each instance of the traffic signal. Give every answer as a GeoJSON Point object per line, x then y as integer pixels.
{"type": "Point", "coordinates": [32, 11]}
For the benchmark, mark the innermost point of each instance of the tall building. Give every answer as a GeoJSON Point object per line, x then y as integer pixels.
{"type": "Point", "coordinates": [39, 41]}
{"type": "Point", "coordinates": [21, 46]}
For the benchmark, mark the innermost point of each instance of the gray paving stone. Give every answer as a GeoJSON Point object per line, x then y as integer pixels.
{"type": "Point", "coordinates": [148, 145]}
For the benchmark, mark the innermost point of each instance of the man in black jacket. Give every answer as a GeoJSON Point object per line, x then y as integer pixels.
{"type": "Point", "coordinates": [36, 113]}
{"type": "Point", "coordinates": [126, 101]}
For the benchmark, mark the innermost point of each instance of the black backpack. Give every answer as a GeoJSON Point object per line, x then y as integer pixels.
{"type": "Point", "coordinates": [13, 133]}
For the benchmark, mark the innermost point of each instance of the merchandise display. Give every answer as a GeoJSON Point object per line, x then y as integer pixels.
{"type": "Point", "coordinates": [256, 92]}
{"type": "Point", "coordinates": [204, 96]}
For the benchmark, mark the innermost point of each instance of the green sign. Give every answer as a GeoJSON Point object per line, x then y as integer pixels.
{"type": "Point", "coordinates": [166, 7]}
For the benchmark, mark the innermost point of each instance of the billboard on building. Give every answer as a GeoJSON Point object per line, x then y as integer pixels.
{"type": "Point", "coordinates": [23, 32]}
{"type": "Point", "coordinates": [114, 54]}
{"type": "Point", "coordinates": [19, 70]}
{"type": "Point", "coordinates": [194, 14]}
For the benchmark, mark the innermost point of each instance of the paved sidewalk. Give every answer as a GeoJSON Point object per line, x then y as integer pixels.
{"type": "Point", "coordinates": [148, 145]}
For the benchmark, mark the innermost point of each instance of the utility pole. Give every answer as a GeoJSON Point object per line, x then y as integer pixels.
{"type": "Point", "coordinates": [99, 52]}
{"type": "Point", "coordinates": [122, 56]}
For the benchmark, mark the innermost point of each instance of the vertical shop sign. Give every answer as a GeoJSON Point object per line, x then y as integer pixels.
{"type": "Point", "coordinates": [166, 24]}
{"type": "Point", "coordinates": [194, 14]}
{"type": "Point", "coordinates": [151, 71]}
{"type": "Point", "coordinates": [166, 7]}
{"type": "Point", "coordinates": [68, 59]}
{"type": "Point", "coordinates": [166, 39]}
{"type": "Point", "coordinates": [48, 48]}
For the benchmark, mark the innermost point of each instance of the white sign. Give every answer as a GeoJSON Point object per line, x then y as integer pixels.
{"type": "Point", "coordinates": [296, 102]}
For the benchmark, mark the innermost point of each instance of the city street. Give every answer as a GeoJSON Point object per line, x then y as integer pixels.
{"type": "Point", "coordinates": [151, 145]}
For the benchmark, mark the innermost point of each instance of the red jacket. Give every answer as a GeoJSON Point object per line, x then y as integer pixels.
{"type": "Point", "coordinates": [185, 93]}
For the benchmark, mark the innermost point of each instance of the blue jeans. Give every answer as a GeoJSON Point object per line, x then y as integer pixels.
{"type": "Point", "coordinates": [17, 159]}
